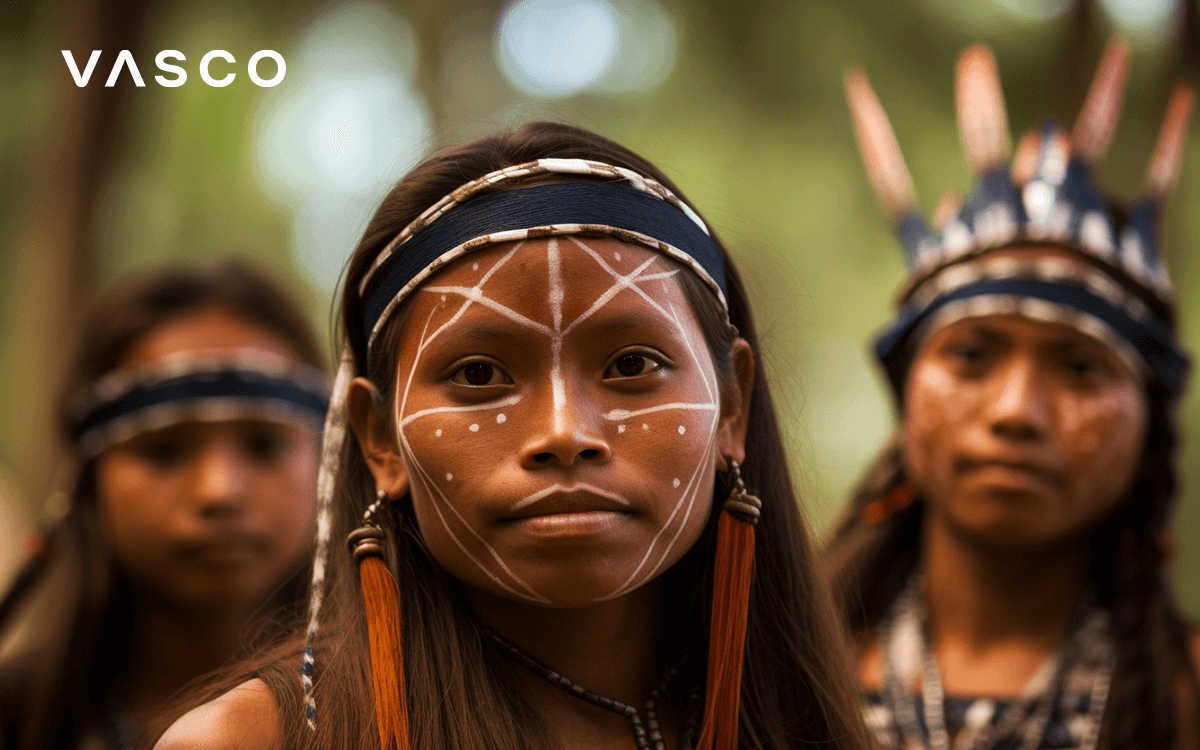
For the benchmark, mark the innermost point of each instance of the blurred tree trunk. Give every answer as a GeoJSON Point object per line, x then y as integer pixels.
{"type": "Point", "coordinates": [429, 22]}
{"type": "Point", "coordinates": [70, 145]}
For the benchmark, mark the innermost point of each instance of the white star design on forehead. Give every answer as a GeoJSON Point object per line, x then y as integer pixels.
{"type": "Point", "coordinates": [661, 545]}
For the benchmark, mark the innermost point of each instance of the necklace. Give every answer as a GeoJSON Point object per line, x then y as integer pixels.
{"type": "Point", "coordinates": [1085, 658]}
{"type": "Point", "coordinates": [646, 732]}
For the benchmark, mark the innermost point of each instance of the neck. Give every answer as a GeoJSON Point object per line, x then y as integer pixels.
{"type": "Point", "coordinates": [609, 648]}
{"type": "Point", "coordinates": [979, 597]}
{"type": "Point", "coordinates": [173, 645]}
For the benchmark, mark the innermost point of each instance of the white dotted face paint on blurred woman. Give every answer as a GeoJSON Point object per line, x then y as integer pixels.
{"type": "Point", "coordinates": [529, 363]}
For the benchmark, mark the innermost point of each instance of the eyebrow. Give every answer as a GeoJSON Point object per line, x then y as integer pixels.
{"type": "Point", "coordinates": [624, 322]}
{"type": "Point", "coordinates": [488, 333]}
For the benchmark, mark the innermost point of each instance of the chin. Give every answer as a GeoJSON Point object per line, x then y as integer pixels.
{"type": "Point", "coordinates": [1007, 520]}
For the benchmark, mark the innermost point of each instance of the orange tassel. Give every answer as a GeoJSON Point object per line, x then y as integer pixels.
{"type": "Point", "coordinates": [382, 598]}
{"type": "Point", "coordinates": [727, 638]}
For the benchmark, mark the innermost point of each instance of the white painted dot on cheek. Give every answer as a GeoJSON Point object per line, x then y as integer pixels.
{"type": "Point", "coordinates": [474, 428]}
{"type": "Point", "coordinates": [443, 298]}
{"type": "Point", "coordinates": [474, 266]}
{"type": "Point", "coordinates": [449, 477]}
{"type": "Point", "coordinates": [620, 428]}
{"type": "Point", "coordinates": [645, 426]}
{"type": "Point", "coordinates": [676, 483]}
{"type": "Point", "coordinates": [501, 419]}
{"type": "Point", "coordinates": [437, 433]}
{"type": "Point", "coordinates": [681, 430]}
{"type": "Point", "coordinates": [616, 256]}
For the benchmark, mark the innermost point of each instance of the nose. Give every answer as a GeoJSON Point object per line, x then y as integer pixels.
{"type": "Point", "coordinates": [1019, 406]}
{"type": "Point", "coordinates": [221, 480]}
{"type": "Point", "coordinates": [567, 429]}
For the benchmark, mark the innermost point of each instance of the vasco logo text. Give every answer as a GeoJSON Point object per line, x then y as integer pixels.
{"type": "Point", "coordinates": [125, 61]}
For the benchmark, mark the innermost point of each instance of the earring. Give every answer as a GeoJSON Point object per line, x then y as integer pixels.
{"type": "Point", "coordinates": [877, 511]}
{"type": "Point", "coordinates": [381, 598]}
{"type": "Point", "coordinates": [741, 503]}
{"type": "Point", "coordinates": [733, 571]}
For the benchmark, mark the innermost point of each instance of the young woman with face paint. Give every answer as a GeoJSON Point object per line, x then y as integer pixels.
{"type": "Point", "coordinates": [557, 409]}
{"type": "Point", "coordinates": [193, 410]}
{"type": "Point", "coordinates": [1004, 565]}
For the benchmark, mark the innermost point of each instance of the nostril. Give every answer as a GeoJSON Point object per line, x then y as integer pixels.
{"type": "Point", "coordinates": [543, 457]}
{"type": "Point", "coordinates": [588, 454]}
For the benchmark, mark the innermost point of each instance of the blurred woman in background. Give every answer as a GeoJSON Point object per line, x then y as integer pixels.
{"type": "Point", "coordinates": [1004, 565]}
{"type": "Point", "coordinates": [193, 410]}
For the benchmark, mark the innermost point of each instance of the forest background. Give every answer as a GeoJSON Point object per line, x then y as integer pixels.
{"type": "Point", "coordinates": [740, 102]}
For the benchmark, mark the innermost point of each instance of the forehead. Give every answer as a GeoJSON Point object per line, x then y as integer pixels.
{"type": "Point", "coordinates": [1017, 330]}
{"type": "Point", "coordinates": [213, 330]}
{"type": "Point", "coordinates": [556, 281]}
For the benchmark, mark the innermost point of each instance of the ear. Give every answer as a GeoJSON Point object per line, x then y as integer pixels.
{"type": "Point", "coordinates": [376, 438]}
{"type": "Point", "coordinates": [735, 406]}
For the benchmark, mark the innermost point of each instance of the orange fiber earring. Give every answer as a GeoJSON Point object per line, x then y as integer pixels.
{"type": "Point", "coordinates": [732, 574]}
{"type": "Point", "coordinates": [382, 598]}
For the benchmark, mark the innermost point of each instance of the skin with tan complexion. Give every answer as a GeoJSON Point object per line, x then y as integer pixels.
{"type": "Point", "coordinates": [1020, 436]}
{"type": "Point", "coordinates": [560, 423]}
{"type": "Point", "coordinates": [205, 518]}
{"type": "Point", "coordinates": [1020, 433]}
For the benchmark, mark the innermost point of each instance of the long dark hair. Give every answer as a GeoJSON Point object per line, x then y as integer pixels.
{"type": "Point", "coordinates": [797, 690]}
{"type": "Point", "coordinates": [870, 561]}
{"type": "Point", "coordinates": [69, 610]}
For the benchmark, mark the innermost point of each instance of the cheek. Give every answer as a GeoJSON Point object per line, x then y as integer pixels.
{"type": "Point", "coordinates": [1102, 441]}
{"type": "Point", "coordinates": [134, 504]}
{"type": "Point", "coordinates": [935, 402]}
{"type": "Point", "coordinates": [286, 500]}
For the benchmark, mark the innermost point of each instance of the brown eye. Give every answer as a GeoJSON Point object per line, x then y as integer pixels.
{"type": "Point", "coordinates": [480, 374]}
{"type": "Point", "coordinates": [163, 453]}
{"type": "Point", "coordinates": [266, 444]}
{"type": "Point", "coordinates": [631, 365]}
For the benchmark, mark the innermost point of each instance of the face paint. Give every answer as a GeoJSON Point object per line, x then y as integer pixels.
{"type": "Point", "coordinates": [520, 383]}
{"type": "Point", "coordinates": [1021, 432]}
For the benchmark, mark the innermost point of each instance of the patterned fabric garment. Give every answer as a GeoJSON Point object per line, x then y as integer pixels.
{"type": "Point", "coordinates": [970, 715]}
{"type": "Point", "coordinates": [1061, 706]}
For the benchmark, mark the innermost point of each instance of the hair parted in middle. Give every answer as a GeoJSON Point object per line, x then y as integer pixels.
{"type": "Point", "coordinates": [795, 685]}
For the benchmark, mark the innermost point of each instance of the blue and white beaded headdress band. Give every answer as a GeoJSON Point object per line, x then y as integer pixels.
{"type": "Point", "coordinates": [603, 200]}
{"type": "Point", "coordinates": [197, 387]}
{"type": "Point", "coordinates": [1113, 285]}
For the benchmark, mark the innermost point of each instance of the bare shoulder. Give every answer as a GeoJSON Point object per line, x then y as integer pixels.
{"type": "Point", "coordinates": [245, 718]}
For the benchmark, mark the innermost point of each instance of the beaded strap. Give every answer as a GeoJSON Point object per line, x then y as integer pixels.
{"type": "Point", "coordinates": [648, 734]}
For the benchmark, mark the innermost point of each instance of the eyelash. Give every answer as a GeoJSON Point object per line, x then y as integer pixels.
{"type": "Point", "coordinates": [495, 370]}
{"type": "Point", "coordinates": [652, 358]}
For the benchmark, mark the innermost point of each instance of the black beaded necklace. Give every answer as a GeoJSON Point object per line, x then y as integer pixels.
{"type": "Point", "coordinates": [646, 732]}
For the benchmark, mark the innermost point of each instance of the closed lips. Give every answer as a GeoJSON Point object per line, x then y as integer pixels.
{"type": "Point", "coordinates": [1045, 473]}
{"type": "Point", "coordinates": [574, 499]}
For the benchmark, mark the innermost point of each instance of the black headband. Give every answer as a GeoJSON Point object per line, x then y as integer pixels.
{"type": "Point", "coordinates": [216, 391]}
{"type": "Point", "coordinates": [614, 209]}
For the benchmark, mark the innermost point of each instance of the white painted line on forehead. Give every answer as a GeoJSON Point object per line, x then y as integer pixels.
{"type": "Point", "coordinates": [612, 291]}
{"type": "Point", "coordinates": [617, 275]}
{"type": "Point", "coordinates": [468, 301]}
{"type": "Point", "coordinates": [475, 294]}
{"type": "Point", "coordinates": [557, 386]}
{"type": "Point", "coordinates": [525, 502]}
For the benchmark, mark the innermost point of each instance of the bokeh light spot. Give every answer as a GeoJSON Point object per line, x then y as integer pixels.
{"type": "Point", "coordinates": [1148, 18]}
{"type": "Point", "coordinates": [557, 47]}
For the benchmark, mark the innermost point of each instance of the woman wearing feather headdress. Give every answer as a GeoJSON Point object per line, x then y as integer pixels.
{"type": "Point", "coordinates": [1004, 562]}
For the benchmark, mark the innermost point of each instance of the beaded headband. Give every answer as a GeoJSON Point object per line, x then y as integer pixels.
{"type": "Point", "coordinates": [194, 387]}
{"type": "Point", "coordinates": [609, 201]}
{"type": "Point", "coordinates": [1113, 287]}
